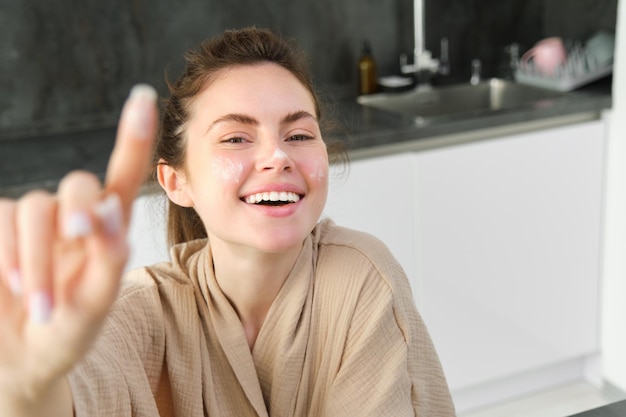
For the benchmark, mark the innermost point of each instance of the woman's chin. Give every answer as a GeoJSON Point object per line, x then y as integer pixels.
{"type": "Point", "coordinates": [279, 241]}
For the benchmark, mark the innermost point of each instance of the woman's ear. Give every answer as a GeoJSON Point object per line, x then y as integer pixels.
{"type": "Point", "coordinates": [174, 182]}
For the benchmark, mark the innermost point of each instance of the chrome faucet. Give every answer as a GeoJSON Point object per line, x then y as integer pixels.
{"type": "Point", "coordinates": [422, 58]}
{"type": "Point", "coordinates": [476, 70]}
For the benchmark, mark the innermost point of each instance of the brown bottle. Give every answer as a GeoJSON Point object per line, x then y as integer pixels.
{"type": "Point", "coordinates": [368, 83]}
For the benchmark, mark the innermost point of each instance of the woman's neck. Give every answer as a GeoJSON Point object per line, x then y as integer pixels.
{"type": "Point", "coordinates": [251, 281]}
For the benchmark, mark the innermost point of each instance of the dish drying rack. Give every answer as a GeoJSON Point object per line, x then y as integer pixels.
{"type": "Point", "coordinates": [579, 69]}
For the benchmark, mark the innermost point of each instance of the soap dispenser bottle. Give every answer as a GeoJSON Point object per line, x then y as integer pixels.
{"type": "Point", "coordinates": [367, 78]}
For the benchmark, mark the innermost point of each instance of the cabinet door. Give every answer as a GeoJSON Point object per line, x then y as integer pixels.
{"type": "Point", "coordinates": [376, 196]}
{"type": "Point", "coordinates": [508, 236]}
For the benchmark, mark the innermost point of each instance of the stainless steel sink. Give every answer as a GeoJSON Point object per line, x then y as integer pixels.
{"type": "Point", "coordinates": [461, 99]}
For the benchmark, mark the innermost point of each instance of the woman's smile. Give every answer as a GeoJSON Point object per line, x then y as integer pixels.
{"type": "Point", "coordinates": [273, 198]}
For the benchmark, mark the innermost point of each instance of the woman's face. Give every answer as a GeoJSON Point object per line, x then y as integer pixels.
{"type": "Point", "coordinates": [256, 167]}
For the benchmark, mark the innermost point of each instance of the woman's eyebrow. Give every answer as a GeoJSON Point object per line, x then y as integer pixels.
{"type": "Point", "coordinates": [295, 116]}
{"type": "Point", "coordinates": [234, 117]}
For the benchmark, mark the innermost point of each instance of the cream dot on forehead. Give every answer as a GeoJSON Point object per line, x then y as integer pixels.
{"type": "Point", "coordinates": [227, 169]}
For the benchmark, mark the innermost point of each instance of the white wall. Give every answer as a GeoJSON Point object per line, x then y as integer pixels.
{"type": "Point", "coordinates": [614, 279]}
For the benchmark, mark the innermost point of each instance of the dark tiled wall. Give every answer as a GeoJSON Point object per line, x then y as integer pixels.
{"type": "Point", "coordinates": [68, 64]}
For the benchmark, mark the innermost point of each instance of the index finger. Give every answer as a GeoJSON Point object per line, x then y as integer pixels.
{"type": "Point", "coordinates": [130, 159]}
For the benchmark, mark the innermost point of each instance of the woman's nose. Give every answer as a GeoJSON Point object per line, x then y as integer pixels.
{"type": "Point", "coordinates": [274, 158]}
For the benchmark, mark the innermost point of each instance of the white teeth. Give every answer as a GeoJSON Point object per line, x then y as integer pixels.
{"type": "Point", "coordinates": [273, 196]}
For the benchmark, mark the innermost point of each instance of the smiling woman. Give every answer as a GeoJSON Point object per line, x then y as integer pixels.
{"type": "Point", "coordinates": [263, 309]}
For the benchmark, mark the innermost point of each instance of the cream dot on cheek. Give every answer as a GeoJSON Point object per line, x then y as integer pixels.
{"type": "Point", "coordinates": [227, 169]}
{"type": "Point", "coordinates": [319, 169]}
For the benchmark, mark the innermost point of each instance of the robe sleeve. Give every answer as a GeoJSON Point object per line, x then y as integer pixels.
{"type": "Point", "coordinates": [389, 365]}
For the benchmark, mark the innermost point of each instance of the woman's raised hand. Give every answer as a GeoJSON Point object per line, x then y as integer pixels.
{"type": "Point", "coordinates": [61, 259]}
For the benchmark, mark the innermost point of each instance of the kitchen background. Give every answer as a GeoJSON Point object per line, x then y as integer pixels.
{"type": "Point", "coordinates": [68, 65]}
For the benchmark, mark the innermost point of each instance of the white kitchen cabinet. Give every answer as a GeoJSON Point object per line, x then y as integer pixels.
{"type": "Point", "coordinates": [501, 241]}
{"type": "Point", "coordinates": [147, 232]}
{"type": "Point", "coordinates": [377, 196]}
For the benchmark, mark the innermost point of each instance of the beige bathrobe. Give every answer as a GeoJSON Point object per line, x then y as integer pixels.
{"type": "Point", "coordinates": [343, 338]}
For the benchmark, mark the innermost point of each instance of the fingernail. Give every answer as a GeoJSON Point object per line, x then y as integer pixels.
{"type": "Point", "coordinates": [141, 98]}
{"type": "Point", "coordinates": [110, 212]}
{"type": "Point", "coordinates": [15, 283]}
{"type": "Point", "coordinates": [39, 307]}
{"type": "Point", "coordinates": [77, 224]}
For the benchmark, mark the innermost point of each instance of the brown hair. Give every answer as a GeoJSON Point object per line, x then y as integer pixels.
{"type": "Point", "coordinates": [246, 46]}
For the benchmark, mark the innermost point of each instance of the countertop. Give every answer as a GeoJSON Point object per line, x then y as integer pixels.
{"type": "Point", "coordinates": [616, 409]}
{"type": "Point", "coordinates": [40, 162]}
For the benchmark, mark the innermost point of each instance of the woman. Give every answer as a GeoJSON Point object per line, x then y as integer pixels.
{"type": "Point", "coordinates": [263, 310]}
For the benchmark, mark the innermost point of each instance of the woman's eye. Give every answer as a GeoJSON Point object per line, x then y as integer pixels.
{"type": "Point", "coordinates": [299, 137]}
{"type": "Point", "coordinates": [234, 140]}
